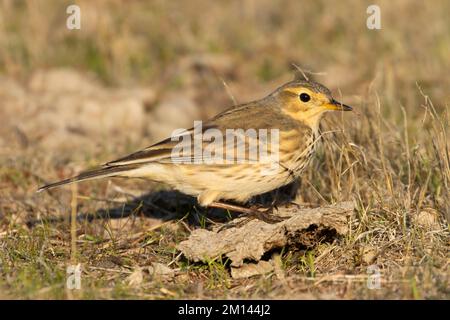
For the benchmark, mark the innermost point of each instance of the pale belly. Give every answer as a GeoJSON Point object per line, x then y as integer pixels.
{"type": "Point", "coordinates": [238, 182]}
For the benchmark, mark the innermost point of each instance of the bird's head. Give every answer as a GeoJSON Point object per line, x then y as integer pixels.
{"type": "Point", "coordinates": [307, 101]}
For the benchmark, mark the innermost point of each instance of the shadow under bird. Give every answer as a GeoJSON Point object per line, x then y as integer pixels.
{"type": "Point", "coordinates": [294, 110]}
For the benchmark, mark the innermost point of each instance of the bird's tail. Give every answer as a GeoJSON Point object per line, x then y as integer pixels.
{"type": "Point", "coordinates": [103, 172]}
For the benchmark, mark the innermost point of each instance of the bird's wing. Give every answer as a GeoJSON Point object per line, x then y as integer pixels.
{"type": "Point", "coordinates": [232, 136]}
{"type": "Point", "coordinates": [161, 151]}
{"type": "Point", "coordinates": [214, 145]}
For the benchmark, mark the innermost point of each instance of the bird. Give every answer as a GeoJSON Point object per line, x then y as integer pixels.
{"type": "Point", "coordinates": [201, 161]}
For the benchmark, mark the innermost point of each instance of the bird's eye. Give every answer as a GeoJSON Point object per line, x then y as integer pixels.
{"type": "Point", "coordinates": [305, 97]}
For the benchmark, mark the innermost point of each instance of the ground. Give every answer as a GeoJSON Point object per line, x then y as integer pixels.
{"type": "Point", "coordinates": [75, 99]}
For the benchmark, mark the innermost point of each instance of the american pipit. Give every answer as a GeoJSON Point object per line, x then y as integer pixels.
{"type": "Point", "coordinates": [285, 124]}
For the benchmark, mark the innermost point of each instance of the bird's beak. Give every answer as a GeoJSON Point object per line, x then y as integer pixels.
{"type": "Point", "coordinates": [337, 106]}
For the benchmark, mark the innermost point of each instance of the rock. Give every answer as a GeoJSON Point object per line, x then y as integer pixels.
{"type": "Point", "coordinates": [252, 269]}
{"type": "Point", "coordinates": [303, 227]}
{"type": "Point", "coordinates": [136, 277]}
{"type": "Point", "coordinates": [160, 270]}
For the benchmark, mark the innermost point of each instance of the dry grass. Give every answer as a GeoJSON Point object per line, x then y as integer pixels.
{"type": "Point", "coordinates": [392, 155]}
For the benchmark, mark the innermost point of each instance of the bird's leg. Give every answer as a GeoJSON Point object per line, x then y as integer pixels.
{"type": "Point", "coordinates": [231, 207]}
{"type": "Point", "coordinates": [251, 213]}
{"type": "Point", "coordinates": [228, 206]}
{"type": "Point", "coordinates": [274, 202]}
{"type": "Point", "coordinates": [264, 209]}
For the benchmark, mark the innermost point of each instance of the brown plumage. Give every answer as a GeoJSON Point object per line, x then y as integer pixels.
{"type": "Point", "coordinates": [294, 109]}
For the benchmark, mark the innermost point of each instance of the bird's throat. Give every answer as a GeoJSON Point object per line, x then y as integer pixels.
{"type": "Point", "coordinates": [311, 117]}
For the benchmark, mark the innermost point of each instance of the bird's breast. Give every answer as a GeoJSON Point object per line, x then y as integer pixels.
{"type": "Point", "coordinates": [300, 158]}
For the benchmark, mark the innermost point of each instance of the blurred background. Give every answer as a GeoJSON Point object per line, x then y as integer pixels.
{"type": "Point", "coordinates": [143, 68]}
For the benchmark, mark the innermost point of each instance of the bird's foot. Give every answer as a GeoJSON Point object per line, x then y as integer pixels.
{"type": "Point", "coordinates": [265, 214]}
